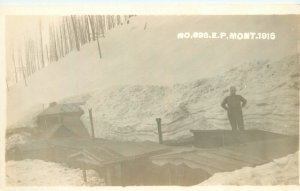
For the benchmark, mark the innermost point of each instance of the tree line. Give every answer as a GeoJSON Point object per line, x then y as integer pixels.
{"type": "Point", "coordinates": [68, 35]}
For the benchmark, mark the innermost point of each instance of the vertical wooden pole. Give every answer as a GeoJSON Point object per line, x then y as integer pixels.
{"type": "Point", "coordinates": [23, 70]}
{"type": "Point", "coordinates": [160, 138]}
{"type": "Point", "coordinates": [99, 47]}
{"type": "Point", "coordinates": [92, 123]}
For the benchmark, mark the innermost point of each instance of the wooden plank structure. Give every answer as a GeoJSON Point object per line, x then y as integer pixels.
{"type": "Point", "coordinates": [223, 151]}
{"type": "Point", "coordinates": [148, 163]}
{"type": "Point", "coordinates": [118, 162]}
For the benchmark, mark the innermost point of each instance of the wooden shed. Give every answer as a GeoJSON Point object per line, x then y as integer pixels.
{"type": "Point", "coordinates": [61, 120]}
{"type": "Point", "coordinates": [119, 163]}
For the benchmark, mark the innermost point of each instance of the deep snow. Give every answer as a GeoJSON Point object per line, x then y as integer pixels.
{"type": "Point", "coordinates": [154, 56]}
{"type": "Point", "coordinates": [129, 112]}
{"type": "Point", "coordinates": [283, 171]}
{"type": "Point", "coordinates": [16, 139]}
{"type": "Point", "coordinates": [145, 74]}
{"type": "Point", "coordinates": [41, 173]}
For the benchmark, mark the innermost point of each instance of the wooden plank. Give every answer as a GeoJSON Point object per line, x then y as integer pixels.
{"type": "Point", "coordinates": [234, 157]}
{"type": "Point", "coordinates": [224, 163]}
{"type": "Point", "coordinates": [269, 149]}
{"type": "Point", "coordinates": [227, 153]}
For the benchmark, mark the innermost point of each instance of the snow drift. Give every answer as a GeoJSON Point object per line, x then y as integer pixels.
{"type": "Point", "coordinates": [283, 171]}
{"type": "Point", "coordinates": [129, 112]}
{"type": "Point", "coordinates": [17, 139]}
{"type": "Point", "coordinates": [42, 173]}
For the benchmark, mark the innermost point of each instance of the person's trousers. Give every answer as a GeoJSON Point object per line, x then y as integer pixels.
{"type": "Point", "coordinates": [236, 119]}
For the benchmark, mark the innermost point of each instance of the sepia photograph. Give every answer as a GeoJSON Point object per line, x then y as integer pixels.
{"type": "Point", "coordinates": [152, 100]}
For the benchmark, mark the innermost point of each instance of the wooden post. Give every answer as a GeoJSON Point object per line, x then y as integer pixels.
{"type": "Point", "coordinates": [160, 138]}
{"type": "Point", "coordinates": [99, 47]}
{"type": "Point", "coordinates": [92, 123]}
{"type": "Point", "coordinates": [24, 75]}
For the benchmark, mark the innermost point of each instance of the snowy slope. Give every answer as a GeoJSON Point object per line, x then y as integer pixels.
{"type": "Point", "coordinates": [153, 56]}
{"type": "Point", "coordinates": [129, 112]}
{"type": "Point", "coordinates": [40, 173]}
{"type": "Point", "coordinates": [283, 171]}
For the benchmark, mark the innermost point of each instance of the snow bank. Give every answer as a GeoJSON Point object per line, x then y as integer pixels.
{"type": "Point", "coordinates": [16, 139]}
{"type": "Point", "coordinates": [283, 171]}
{"type": "Point", "coordinates": [41, 173]}
{"type": "Point", "coordinates": [129, 112]}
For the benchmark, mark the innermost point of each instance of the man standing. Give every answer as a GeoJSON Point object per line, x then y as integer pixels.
{"type": "Point", "coordinates": [233, 104]}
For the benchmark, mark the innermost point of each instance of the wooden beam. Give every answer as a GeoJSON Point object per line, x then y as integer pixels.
{"type": "Point", "coordinates": [92, 123]}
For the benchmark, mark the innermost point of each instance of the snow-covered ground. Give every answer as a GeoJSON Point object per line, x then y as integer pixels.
{"type": "Point", "coordinates": [129, 112]}
{"type": "Point", "coordinates": [283, 171]}
{"type": "Point", "coordinates": [41, 173]}
{"type": "Point", "coordinates": [133, 55]}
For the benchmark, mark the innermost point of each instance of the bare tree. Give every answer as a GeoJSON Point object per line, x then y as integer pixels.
{"type": "Point", "coordinates": [22, 68]}
{"type": "Point", "coordinates": [41, 43]}
{"type": "Point", "coordinates": [48, 58]}
{"type": "Point", "coordinates": [14, 62]}
{"type": "Point", "coordinates": [92, 25]}
{"type": "Point", "coordinates": [65, 38]}
{"type": "Point", "coordinates": [74, 22]}
{"type": "Point", "coordinates": [86, 21]}
{"type": "Point", "coordinates": [69, 34]}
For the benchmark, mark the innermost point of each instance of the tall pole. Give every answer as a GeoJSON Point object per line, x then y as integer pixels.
{"type": "Point", "coordinates": [99, 47]}
{"type": "Point", "coordinates": [92, 123]}
{"type": "Point", "coordinates": [160, 138]}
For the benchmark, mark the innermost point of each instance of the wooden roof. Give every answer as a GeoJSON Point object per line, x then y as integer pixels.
{"type": "Point", "coordinates": [229, 158]}
{"type": "Point", "coordinates": [105, 152]}
{"type": "Point", "coordinates": [61, 108]}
